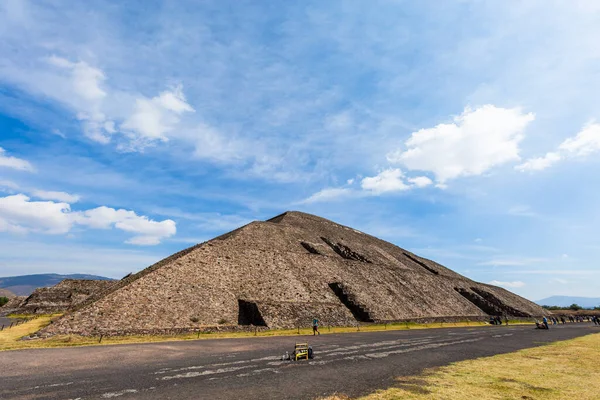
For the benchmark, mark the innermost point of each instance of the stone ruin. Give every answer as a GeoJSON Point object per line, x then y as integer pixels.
{"type": "Point", "coordinates": [281, 273]}
{"type": "Point", "coordinates": [64, 296]}
{"type": "Point", "coordinates": [13, 305]}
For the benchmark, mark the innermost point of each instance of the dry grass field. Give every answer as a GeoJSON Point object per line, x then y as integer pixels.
{"type": "Point", "coordinates": [9, 338]}
{"type": "Point", "coordinates": [558, 371]}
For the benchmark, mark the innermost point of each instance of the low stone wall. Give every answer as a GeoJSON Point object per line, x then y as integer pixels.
{"type": "Point", "coordinates": [163, 332]}
{"type": "Point", "coordinates": [303, 324]}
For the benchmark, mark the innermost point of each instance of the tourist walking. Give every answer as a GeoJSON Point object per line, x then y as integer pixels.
{"type": "Point", "coordinates": [316, 327]}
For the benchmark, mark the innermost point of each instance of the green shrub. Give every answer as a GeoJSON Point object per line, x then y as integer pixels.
{"type": "Point", "coordinates": [3, 301]}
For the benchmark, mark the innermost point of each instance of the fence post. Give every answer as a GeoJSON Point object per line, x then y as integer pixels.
{"type": "Point", "coordinates": [101, 336]}
{"type": "Point", "coordinates": [255, 330]}
{"type": "Point", "coordinates": [198, 333]}
{"type": "Point", "coordinates": [298, 330]}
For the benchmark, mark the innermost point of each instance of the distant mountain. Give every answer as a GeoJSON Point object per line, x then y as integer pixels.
{"type": "Point", "coordinates": [566, 301]}
{"type": "Point", "coordinates": [24, 285]}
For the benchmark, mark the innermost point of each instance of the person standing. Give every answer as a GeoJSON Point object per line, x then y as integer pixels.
{"type": "Point", "coordinates": [316, 327]}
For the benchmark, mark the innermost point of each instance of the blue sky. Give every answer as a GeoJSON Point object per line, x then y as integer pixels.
{"type": "Point", "coordinates": [465, 131]}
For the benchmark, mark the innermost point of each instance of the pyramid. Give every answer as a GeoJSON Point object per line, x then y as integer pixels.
{"type": "Point", "coordinates": [65, 295]}
{"type": "Point", "coordinates": [283, 272]}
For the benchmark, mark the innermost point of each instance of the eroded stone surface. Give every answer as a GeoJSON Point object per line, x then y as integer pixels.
{"type": "Point", "coordinates": [266, 263]}
{"type": "Point", "coordinates": [64, 296]}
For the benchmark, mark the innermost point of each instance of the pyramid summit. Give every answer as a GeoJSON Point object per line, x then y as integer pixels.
{"type": "Point", "coordinates": [281, 273]}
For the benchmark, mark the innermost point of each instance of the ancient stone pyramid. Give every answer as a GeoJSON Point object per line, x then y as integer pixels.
{"type": "Point", "coordinates": [282, 273]}
{"type": "Point", "coordinates": [65, 295]}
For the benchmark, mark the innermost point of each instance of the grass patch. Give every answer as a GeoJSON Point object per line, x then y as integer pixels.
{"type": "Point", "coordinates": [9, 338]}
{"type": "Point", "coordinates": [561, 370]}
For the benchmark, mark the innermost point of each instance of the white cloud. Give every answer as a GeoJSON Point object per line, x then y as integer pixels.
{"type": "Point", "coordinates": [85, 94]}
{"type": "Point", "coordinates": [153, 118]}
{"type": "Point", "coordinates": [58, 196]}
{"type": "Point", "coordinates": [148, 231]}
{"type": "Point", "coordinates": [18, 214]}
{"type": "Point", "coordinates": [514, 284]}
{"type": "Point", "coordinates": [420, 181]}
{"type": "Point", "coordinates": [104, 110]}
{"type": "Point", "coordinates": [586, 142]}
{"type": "Point", "coordinates": [14, 162]}
{"type": "Point", "coordinates": [390, 180]}
{"type": "Point", "coordinates": [4, 184]}
{"type": "Point", "coordinates": [328, 194]}
{"type": "Point", "coordinates": [478, 140]}
{"type": "Point", "coordinates": [387, 181]}
{"type": "Point", "coordinates": [86, 80]}
{"type": "Point", "coordinates": [540, 163]}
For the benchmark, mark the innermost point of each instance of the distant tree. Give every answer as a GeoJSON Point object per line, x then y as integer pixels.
{"type": "Point", "coordinates": [597, 308]}
{"type": "Point", "coordinates": [3, 301]}
{"type": "Point", "coordinates": [575, 307]}
{"type": "Point", "coordinates": [553, 308]}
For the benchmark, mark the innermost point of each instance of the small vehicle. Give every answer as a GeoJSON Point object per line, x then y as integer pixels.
{"type": "Point", "coordinates": [301, 351]}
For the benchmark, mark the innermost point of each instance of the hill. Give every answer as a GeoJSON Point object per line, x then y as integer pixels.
{"type": "Point", "coordinates": [24, 285]}
{"type": "Point", "coordinates": [566, 301]}
{"type": "Point", "coordinates": [6, 293]}
{"type": "Point", "coordinates": [283, 272]}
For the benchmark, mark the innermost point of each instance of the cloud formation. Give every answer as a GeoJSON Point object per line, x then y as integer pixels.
{"type": "Point", "coordinates": [57, 196]}
{"type": "Point", "coordinates": [390, 180]}
{"type": "Point", "coordinates": [512, 285]}
{"type": "Point", "coordinates": [84, 92]}
{"type": "Point", "coordinates": [152, 119]}
{"type": "Point", "coordinates": [478, 140]}
{"type": "Point", "coordinates": [14, 162]}
{"type": "Point", "coordinates": [19, 214]}
{"type": "Point", "coordinates": [328, 194]}
{"type": "Point", "coordinates": [586, 142]}
{"type": "Point", "coordinates": [387, 181]}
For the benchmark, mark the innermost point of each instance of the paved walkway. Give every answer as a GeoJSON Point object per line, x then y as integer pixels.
{"type": "Point", "coordinates": [250, 368]}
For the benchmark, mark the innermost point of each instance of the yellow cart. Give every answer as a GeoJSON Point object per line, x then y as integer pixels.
{"type": "Point", "coordinates": [301, 351]}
